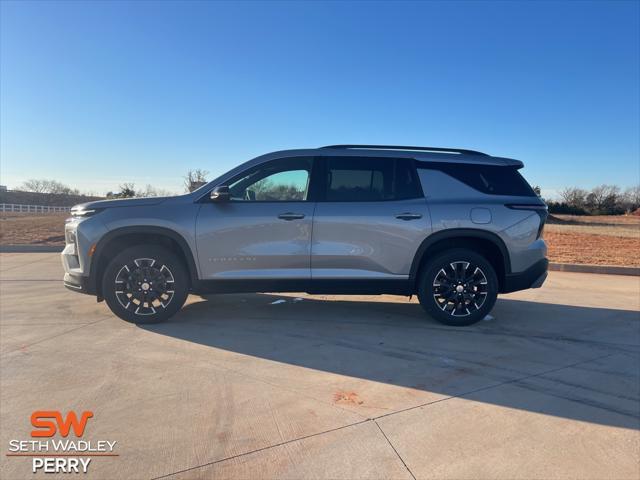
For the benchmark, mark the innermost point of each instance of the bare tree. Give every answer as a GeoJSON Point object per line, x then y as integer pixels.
{"type": "Point", "coordinates": [573, 196]}
{"type": "Point", "coordinates": [48, 186]}
{"type": "Point", "coordinates": [33, 185]}
{"type": "Point", "coordinates": [195, 179]}
{"type": "Point", "coordinates": [151, 191]}
{"type": "Point", "coordinates": [630, 199]}
{"type": "Point", "coordinates": [603, 198]}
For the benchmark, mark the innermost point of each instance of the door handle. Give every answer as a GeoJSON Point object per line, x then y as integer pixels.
{"type": "Point", "coordinates": [291, 216]}
{"type": "Point", "coordinates": [409, 216]}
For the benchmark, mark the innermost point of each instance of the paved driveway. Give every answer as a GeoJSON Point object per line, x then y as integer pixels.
{"type": "Point", "coordinates": [326, 387]}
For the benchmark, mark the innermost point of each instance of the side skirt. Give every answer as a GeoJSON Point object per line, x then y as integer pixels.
{"type": "Point", "coordinates": [333, 286]}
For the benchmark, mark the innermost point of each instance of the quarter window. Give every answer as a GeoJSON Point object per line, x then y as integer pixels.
{"type": "Point", "coordinates": [489, 179]}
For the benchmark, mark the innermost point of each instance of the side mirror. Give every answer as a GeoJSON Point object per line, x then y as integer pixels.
{"type": "Point", "coordinates": [220, 194]}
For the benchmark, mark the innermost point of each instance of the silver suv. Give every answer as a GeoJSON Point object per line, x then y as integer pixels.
{"type": "Point", "coordinates": [456, 227]}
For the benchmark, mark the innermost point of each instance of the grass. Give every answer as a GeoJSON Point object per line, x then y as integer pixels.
{"type": "Point", "coordinates": [597, 240]}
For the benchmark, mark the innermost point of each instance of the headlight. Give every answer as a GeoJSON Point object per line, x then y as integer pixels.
{"type": "Point", "coordinates": [70, 237]}
{"type": "Point", "coordinates": [81, 212]}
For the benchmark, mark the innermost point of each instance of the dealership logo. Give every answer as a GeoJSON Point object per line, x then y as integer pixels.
{"type": "Point", "coordinates": [41, 420]}
{"type": "Point", "coordinates": [66, 455]}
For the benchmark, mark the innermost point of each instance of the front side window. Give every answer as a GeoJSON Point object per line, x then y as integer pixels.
{"type": "Point", "coordinates": [283, 180]}
{"type": "Point", "coordinates": [366, 179]}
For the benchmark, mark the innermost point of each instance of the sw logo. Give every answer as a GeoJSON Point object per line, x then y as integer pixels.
{"type": "Point", "coordinates": [40, 420]}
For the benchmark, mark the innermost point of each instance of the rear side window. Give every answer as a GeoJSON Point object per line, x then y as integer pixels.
{"type": "Point", "coordinates": [489, 179]}
{"type": "Point", "coordinates": [370, 179]}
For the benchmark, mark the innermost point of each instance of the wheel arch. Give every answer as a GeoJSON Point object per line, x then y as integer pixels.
{"type": "Point", "coordinates": [485, 243]}
{"type": "Point", "coordinates": [117, 239]}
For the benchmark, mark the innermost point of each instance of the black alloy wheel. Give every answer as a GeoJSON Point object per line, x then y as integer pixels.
{"type": "Point", "coordinates": [145, 284]}
{"type": "Point", "coordinates": [458, 287]}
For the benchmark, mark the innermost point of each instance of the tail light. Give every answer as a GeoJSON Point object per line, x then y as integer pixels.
{"type": "Point", "coordinates": [541, 209]}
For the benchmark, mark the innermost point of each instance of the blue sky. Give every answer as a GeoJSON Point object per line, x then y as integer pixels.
{"type": "Point", "coordinates": [94, 94]}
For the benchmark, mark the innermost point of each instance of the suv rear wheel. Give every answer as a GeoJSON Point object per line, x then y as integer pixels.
{"type": "Point", "coordinates": [145, 284]}
{"type": "Point", "coordinates": [458, 287]}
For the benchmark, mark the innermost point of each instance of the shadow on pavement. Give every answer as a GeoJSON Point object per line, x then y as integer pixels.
{"type": "Point", "coordinates": [577, 362]}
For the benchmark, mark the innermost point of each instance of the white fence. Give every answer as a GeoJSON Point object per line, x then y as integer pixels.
{"type": "Point", "coordinates": [15, 207]}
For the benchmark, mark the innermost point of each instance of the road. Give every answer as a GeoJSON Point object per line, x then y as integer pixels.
{"type": "Point", "coordinates": [327, 387]}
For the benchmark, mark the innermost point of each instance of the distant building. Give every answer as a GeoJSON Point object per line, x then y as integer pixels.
{"type": "Point", "coordinates": [3, 188]}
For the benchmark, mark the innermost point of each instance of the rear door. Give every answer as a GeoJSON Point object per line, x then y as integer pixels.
{"type": "Point", "coordinates": [264, 231]}
{"type": "Point", "coordinates": [370, 218]}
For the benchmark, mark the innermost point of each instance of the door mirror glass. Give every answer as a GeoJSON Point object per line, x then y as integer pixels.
{"type": "Point", "coordinates": [220, 194]}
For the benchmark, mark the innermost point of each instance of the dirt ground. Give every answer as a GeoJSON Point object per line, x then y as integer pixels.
{"type": "Point", "coordinates": [28, 229]}
{"type": "Point", "coordinates": [594, 249]}
{"type": "Point", "coordinates": [597, 240]}
{"type": "Point", "coordinates": [600, 219]}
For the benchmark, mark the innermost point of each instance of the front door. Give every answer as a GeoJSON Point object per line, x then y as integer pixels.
{"type": "Point", "coordinates": [264, 230]}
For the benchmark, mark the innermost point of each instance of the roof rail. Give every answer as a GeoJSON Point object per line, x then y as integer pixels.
{"type": "Point", "coordinates": [399, 147]}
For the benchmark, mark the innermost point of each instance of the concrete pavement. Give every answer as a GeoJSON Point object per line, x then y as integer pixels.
{"type": "Point", "coordinates": [329, 387]}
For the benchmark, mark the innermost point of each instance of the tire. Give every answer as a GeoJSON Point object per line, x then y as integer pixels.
{"type": "Point", "coordinates": [458, 287]}
{"type": "Point", "coordinates": [128, 284]}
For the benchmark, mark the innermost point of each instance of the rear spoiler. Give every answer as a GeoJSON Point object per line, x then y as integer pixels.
{"type": "Point", "coordinates": [510, 162]}
{"type": "Point", "coordinates": [469, 160]}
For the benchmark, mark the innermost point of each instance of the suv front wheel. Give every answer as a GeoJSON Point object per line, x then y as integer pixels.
{"type": "Point", "coordinates": [458, 287]}
{"type": "Point", "coordinates": [145, 284]}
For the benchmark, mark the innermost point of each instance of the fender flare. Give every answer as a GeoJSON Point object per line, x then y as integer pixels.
{"type": "Point", "coordinates": [114, 234]}
{"type": "Point", "coordinates": [458, 233]}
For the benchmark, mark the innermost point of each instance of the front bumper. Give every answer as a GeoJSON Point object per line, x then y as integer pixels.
{"type": "Point", "coordinates": [73, 274]}
{"type": "Point", "coordinates": [533, 277]}
{"type": "Point", "coordinates": [78, 283]}
{"type": "Point", "coordinates": [81, 234]}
